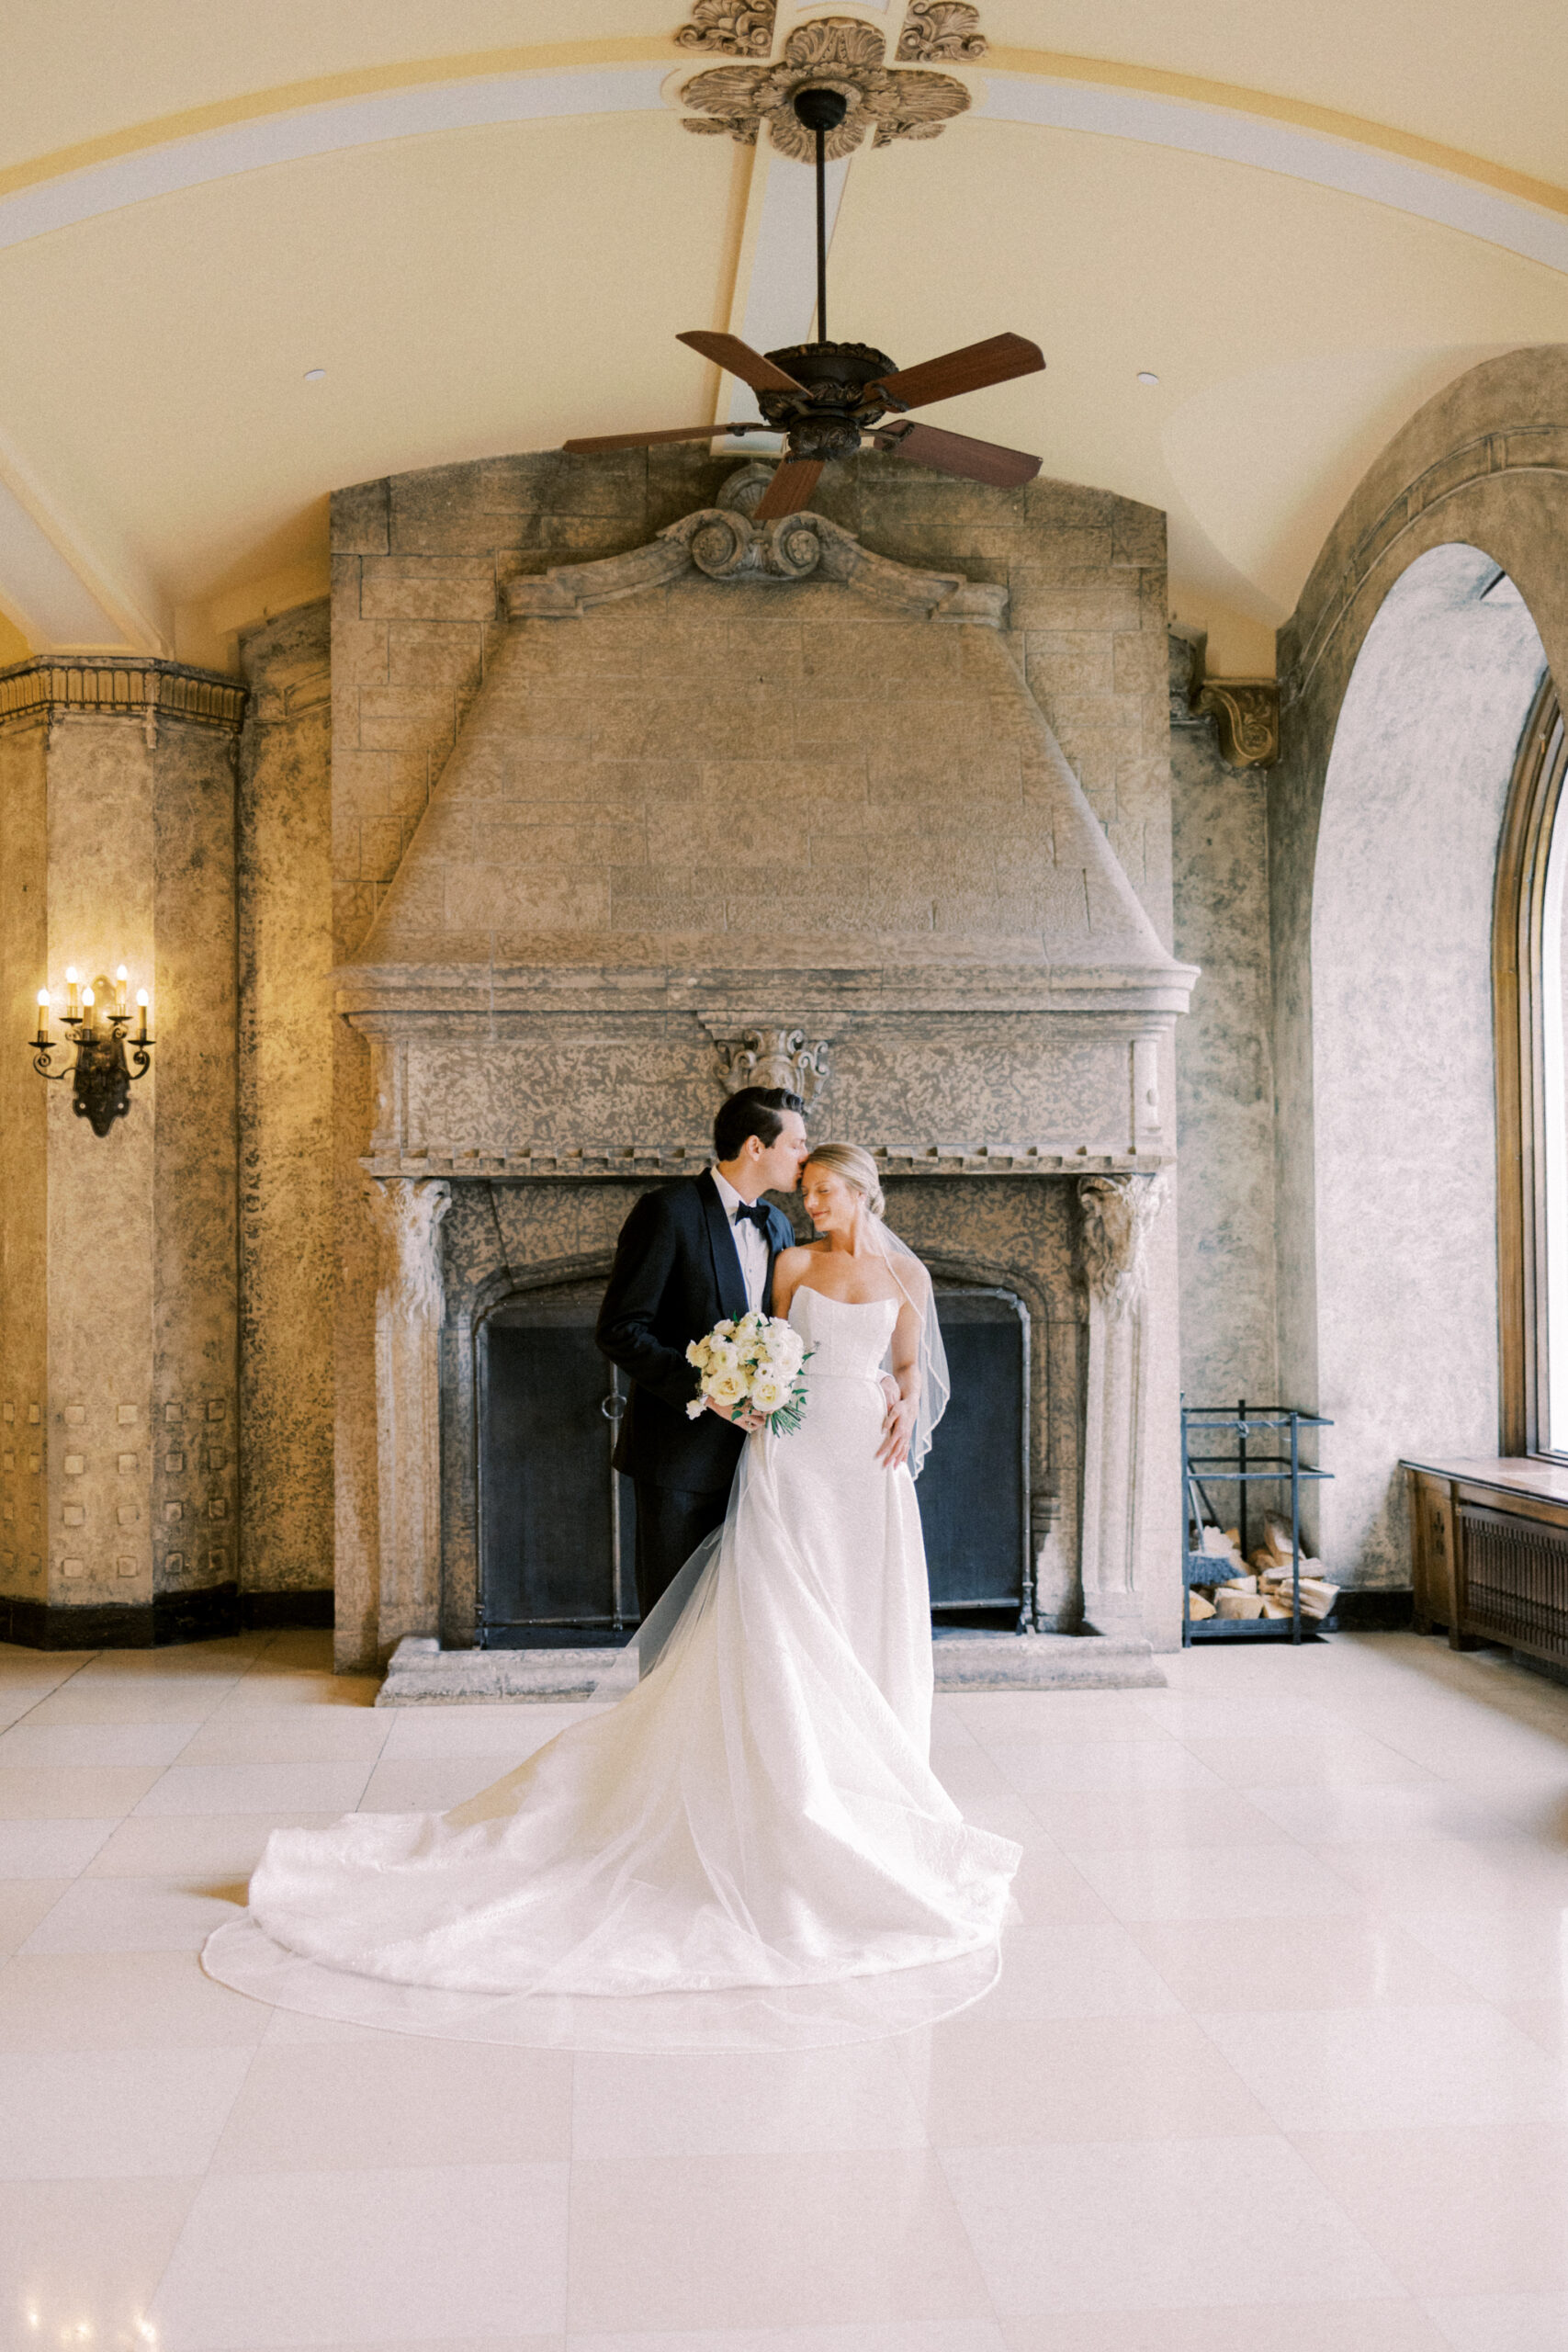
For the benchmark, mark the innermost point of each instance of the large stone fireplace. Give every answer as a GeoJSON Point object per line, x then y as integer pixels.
{"type": "Point", "coordinates": [730, 800]}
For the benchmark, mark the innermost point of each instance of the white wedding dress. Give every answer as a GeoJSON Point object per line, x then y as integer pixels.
{"type": "Point", "coordinates": [748, 1850]}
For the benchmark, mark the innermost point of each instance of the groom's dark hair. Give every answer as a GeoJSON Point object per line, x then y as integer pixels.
{"type": "Point", "coordinates": [754, 1111]}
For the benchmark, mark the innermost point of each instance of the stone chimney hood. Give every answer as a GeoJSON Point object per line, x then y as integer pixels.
{"type": "Point", "coordinates": [748, 766]}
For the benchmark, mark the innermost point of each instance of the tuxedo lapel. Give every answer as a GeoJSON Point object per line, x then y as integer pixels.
{"type": "Point", "coordinates": [728, 1280]}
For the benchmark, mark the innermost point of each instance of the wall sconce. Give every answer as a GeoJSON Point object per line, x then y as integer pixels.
{"type": "Point", "coordinates": [101, 1075]}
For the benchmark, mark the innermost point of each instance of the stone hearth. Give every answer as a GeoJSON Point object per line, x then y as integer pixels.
{"type": "Point", "coordinates": [731, 796]}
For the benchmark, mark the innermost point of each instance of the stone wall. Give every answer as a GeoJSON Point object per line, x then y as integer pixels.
{"type": "Point", "coordinates": [1483, 466]}
{"type": "Point", "coordinates": [286, 1045]}
{"type": "Point", "coordinates": [1224, 1075]}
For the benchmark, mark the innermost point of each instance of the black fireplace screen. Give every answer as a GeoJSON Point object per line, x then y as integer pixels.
{"type": "Point", "coordinates": [557, 1524]}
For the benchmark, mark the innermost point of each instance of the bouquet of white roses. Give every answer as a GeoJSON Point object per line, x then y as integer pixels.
{"type": "Point", "coordinates": [752, 1365]}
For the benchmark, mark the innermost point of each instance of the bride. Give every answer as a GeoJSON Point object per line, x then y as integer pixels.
{"type": "Point", "coordinates": [754, 1827]}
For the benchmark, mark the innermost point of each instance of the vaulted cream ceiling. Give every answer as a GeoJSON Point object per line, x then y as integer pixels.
{"type": "Point", "coordinates": [486, 223]}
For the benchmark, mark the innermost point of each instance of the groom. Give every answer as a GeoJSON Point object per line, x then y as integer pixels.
{"type": "Point", "coordinates": [689, 1256]}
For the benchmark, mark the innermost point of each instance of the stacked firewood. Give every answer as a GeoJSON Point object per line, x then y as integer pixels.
{"type": "Point", "coordinates": [1260, 1585]}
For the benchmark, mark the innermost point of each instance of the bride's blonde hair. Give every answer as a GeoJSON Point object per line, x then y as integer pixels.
{"type": "Point", "coordinates": [856, 1166]}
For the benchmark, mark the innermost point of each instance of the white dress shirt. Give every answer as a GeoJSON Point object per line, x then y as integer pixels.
{"type": "Point", "coordinates": [751, 1242]}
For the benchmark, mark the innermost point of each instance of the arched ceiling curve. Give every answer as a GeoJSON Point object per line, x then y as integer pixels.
{"type": "Point", "coordinates": [1303, 220]}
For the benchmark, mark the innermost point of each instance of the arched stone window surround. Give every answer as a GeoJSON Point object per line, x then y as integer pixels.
{"type": "Point", "coordinates": [1404, 1074]}
{"type": "Point", "coordinates": [1523, 1028]}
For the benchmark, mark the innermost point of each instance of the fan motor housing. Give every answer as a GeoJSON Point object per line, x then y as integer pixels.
{"type": "Point", "coordinates": [826, 418]}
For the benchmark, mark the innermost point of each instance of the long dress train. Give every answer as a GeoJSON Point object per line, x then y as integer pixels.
{"type": "Point", "coordinates": [748, 1850]}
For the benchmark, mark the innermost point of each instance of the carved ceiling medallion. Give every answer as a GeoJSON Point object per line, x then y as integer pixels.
{"type": "Point", "coordinates": [833, 53]}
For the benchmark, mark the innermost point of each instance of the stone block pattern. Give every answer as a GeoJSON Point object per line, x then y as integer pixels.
{"type": "Point", "coordinates": [420, 563]}
{"type": "Point", "coordinates": [753, 761]}
{"type": "Point", "coordinates": [285, 1080]}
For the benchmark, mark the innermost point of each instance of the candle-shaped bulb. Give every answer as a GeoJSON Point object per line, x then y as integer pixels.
{"type": "Point", "coordinates": [141, 1001]}
{"type": "Point", "coordinates": [120, 976]}
{"type": "Point", "coordinates": [72, 1009]}
{"type": "Point", "coordinates": [141, 996]}
{"type": "Point", "coordinates": [71, 974]}
{"type": "Point", "coordinates": [88, 999]}
{"type": "Point", "coordinates": [43, 999]}
{"type": "Point", "coordinates": [121, 973]}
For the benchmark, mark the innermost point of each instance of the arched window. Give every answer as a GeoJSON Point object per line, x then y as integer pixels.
{"type": "Point", "coordinates": [1530, 976]}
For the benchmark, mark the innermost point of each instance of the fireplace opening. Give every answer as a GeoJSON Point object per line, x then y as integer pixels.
{"type": "Point", "coordinates": [557, 1521]}
{"type": "Point", "coordinates": [557, 1524]}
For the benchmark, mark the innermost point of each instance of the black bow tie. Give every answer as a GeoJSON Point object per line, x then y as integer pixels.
{"type": "Point", "coordinates": [754, 1212]}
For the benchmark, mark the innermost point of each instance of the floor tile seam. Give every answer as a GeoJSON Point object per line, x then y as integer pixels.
{"type": "Point", "coordinates": [55, 1688]}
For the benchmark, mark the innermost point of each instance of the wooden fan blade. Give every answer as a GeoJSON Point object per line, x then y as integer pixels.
{"type": "Point", "coordinates": [995, 361]}
{"type": "Point", "coordinates": [955, 453]}
{"type": "Point", "coordinates": [742, 360]}
{"type": "Point", "coordinates": [789, 490]}
{"type": "Point", "coordinates": [646, 440]}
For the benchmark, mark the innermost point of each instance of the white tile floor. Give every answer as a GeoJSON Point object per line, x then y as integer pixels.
{"type": "Point", "coordinates": [1280, 2062]}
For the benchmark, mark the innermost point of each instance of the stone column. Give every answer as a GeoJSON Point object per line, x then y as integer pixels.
{"type": "Point", "coordinates": [407, 1214]}
{"type": "Point", "coordinates": [1119, 1541]}
{"type": "Point", "coordinates": [117, 1255]}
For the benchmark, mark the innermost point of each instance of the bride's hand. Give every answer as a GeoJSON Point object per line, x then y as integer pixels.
{"type": "Point", "coordinates": [750, 1422]}
{"type": "Point", "coordinates": [897, 1430]}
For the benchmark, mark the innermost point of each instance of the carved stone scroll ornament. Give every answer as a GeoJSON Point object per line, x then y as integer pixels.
{"type": "Point", "coordinates": [833, 53]}
{"type": "Point", "coordinates": [1247, 713]}
{"type": "Point", "coordinates": [938, 31]}
{"type": "Point", "coordinates": [1119, 1213]}
{"type": "Point", "coordinates": [728, 28]}
{"type": "Point", "coordinates": [723, 545]}
{"type": "Point", "coordinates": [785, 1057]}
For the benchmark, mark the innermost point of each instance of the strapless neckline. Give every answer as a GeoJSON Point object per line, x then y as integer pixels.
{"type": "Point", "coordinates": [811, 1289]}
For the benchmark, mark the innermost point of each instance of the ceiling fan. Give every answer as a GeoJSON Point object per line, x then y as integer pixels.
{"type": "Point", "coordinates": [826, 397]}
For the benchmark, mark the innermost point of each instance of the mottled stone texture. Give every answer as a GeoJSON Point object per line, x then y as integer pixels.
{"type": "Point", "coordinates": [285, 1093]}
{"type": "Point", "coordinates": [118, 1306]}
{"type": "Point", "coordinates": [783, 768]}
{"type": "Point", "coordinates": [1484, 465]}
{"type": "Point", "coordinates": [24, 1194]}
{"type": "Point", "coordinates": [1224, 1075]}
{"type": "Point", "coordinates": [1403, 1096]}
{"type": "Point", "coordinates": [419, 562]}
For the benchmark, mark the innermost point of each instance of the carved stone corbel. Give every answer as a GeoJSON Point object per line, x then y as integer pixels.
{"type": "Point", "coordinates": [785, 1057]}
{"type": "Point", "coordinates": [407, 1213]}
{"type": "Point", "coordinates": [1118, 1214]}
{"type": "Point", "coordinates": [1247, 713]}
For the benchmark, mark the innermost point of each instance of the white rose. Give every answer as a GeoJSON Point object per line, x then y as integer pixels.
{"type": "Point", "coordinates": [768, 1393]}
{"type": "Point", "coordinates": [723, 1331]}
{"type": "Point", "coordinates": [728, 1388]}
{"type": "Point", "coordinates": [697, 1353]}
{"type": "Point", "coordinates": [696, 1408]}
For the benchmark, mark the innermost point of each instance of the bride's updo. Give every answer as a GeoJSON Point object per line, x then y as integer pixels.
{"type": "Point", "coordinates": [857, 1169]}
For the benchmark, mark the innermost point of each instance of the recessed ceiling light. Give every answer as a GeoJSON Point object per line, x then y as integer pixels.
{"type": "Point", "coordinates": [1147, 376]}
{"type": "Point", "coordinates": [315, 374]}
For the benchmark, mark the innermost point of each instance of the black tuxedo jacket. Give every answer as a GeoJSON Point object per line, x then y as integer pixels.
{"type": "Point", "coordinates": [677, 1272]}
